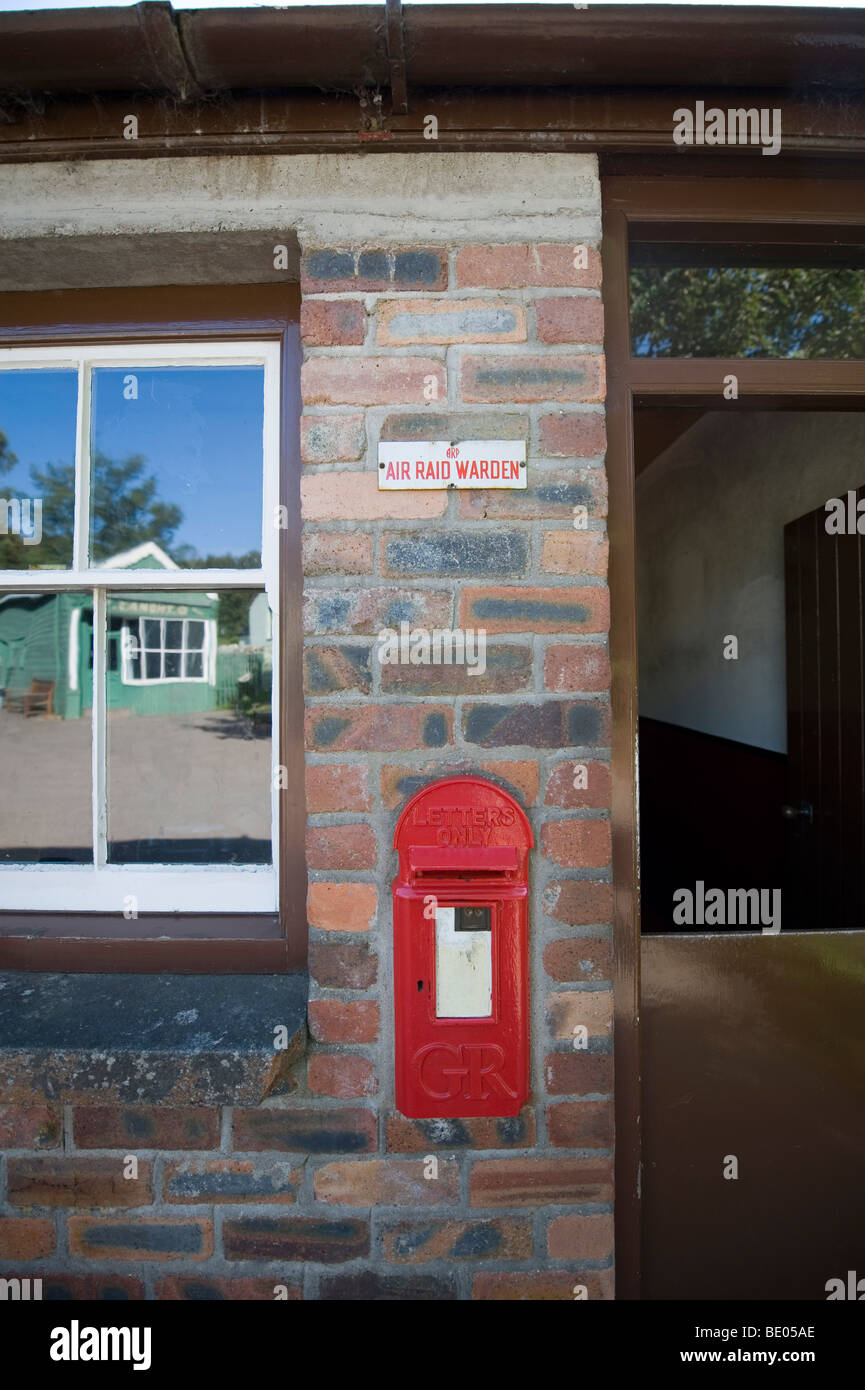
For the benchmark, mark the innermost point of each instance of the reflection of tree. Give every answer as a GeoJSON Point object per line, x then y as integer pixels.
{"type": "Point", "coordinates": [739, 311]}
{"type": "Point", "coordinates": [126, 510]}
{"type": "Point", "coordinates": [11, 547]}
{"type": "Point", "coordinates": [232, 620]}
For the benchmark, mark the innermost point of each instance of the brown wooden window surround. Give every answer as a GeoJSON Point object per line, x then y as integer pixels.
{"type": "Point", "coordinates": [79, 939]}
{"type": "Point", "coordinates": [802, 221]}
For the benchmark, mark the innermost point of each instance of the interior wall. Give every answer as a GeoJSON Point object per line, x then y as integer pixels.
{"type": "Point", "coordinates": [711, 512]}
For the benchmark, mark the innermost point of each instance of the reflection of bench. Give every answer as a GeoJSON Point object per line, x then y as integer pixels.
{"type": "Point", "coordinates": [39, 699]}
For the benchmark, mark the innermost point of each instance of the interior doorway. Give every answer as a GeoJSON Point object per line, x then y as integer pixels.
{"type": "Point", "coordinates": [750, 584]}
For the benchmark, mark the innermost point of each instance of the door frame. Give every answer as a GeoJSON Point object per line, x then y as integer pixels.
{"type": "Point", "coordinates": [794, 211]}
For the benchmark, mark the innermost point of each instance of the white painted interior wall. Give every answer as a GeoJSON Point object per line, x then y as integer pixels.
{"type": "Point", "coordinates": [710, 562]}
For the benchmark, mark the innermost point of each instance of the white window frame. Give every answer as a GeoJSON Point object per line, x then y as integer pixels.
{"type": "Point", "coordinates": [103, 887]}
{"type": "Point", "coordinates": [207, 665]}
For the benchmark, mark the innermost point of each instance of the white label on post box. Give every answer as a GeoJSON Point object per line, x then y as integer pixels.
{"type": "Point", "coordinates": [406, 465]}
{"type": "Point", "coordinates": [464, 969]}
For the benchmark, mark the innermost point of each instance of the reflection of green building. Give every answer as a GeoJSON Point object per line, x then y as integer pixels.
{"type": "Point", "coordinates": [162, 646]}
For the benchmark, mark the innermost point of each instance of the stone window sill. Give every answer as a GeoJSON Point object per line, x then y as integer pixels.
{"type": "Point", "coordinates": [149, 1039]}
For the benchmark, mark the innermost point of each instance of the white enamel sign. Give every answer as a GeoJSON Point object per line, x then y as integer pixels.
{"type": "Point", "coordinates": [436, 464]}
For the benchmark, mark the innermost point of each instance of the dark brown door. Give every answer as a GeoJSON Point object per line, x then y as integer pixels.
{"type": "Point", "coordinates": [825, 808]}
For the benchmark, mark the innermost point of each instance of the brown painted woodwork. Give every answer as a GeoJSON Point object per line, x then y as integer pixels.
{"type": "Point", "coordinates": [710, 809]}
{"type": "Point", "coordinates": [204, 942]}
{"type": "Point", "coordinates": [825, 608]}
{"type": "Point", "coordinates": [752, 1046]}
{"type": "Point", "coordinates": [816, 208]}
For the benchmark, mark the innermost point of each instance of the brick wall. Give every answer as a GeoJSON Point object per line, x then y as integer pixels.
{"type": "Point", "coordinates": [327, 1191]}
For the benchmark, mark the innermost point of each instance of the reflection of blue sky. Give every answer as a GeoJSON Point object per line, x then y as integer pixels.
{"type": "Point", "coordinates": [200, 431]}
{"type": "Point", "coordinates": [37, 416]}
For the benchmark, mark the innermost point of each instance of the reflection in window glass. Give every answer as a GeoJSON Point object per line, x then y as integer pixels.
{"type": "Point", "coordinates": [37, 468]}
{"type": "Point", "coordinates": [691, 300]}
{"type": "Point", "coordinates": [177, 466]}
{"type": "Point", "coordinates": [46, 695]}
{"type": "Point", "coordinates": [189, 728]}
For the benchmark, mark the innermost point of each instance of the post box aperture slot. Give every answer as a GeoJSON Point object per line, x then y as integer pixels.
{"type": "Point", "coordinates": [463, 962]}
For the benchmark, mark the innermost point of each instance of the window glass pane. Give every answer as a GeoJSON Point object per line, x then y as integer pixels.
{"type": "Point", "coordinates": [189, 751]}
{"type": "Point", "coordinates": [177, 466]}
{"type": "Point", "coordinates": [152, 633]}
{"type": "Point", "coordinates": [37, 468]}
{"type": "Point", "coordinates": [46, 694]}
{"type": "Point", "coordinates": [174, 634]}
{"type": "Point", "coordinates": [194, 635]}
{"type": "Point", "coordinates": [691, 299]}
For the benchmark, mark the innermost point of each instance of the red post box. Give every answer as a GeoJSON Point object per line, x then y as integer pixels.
{"type": "Point", "coordinates": [460, 923]}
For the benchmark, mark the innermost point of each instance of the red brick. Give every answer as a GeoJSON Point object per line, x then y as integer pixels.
{"type": "Point", "coordinates": [562, 792]}
{"type": "Point", "coordinates": [550, 377]}
{"type": "Point", "coordinates": [575, 319]}
{"type": "Point", "coordinates": [336, 552]}
{"type": "Point", "coordinates": [356, 497]}
{"type": "Point", "coordinates": [579, 1073]}
{"type": "Point", "coordinates": [583, 1124]}
{"type": "Point", "coordinates": [577, 434]}
{"type": "Point", "coordinates": [532, 1182]}
{"type": "Point", "coordinates": [205, 1286]}
{"type": "Point", "coordinates": [332, 1021]}
{"type": "Point", "coordinates": [134, 1127]}
{"type": "Point", "coordinates": [137, 1238]}
{"type": "Point", "coordinates": [399, 782]}
{"type": "Point", "coordinates": [295, 1238]}
{"type": "Point", "coordinates": [387, 1182]}
{"type": "Point", "coordinates": [332, 438]}
{"type": "Point", "coordinates": [523, 776]}
{"type": "Point", "coordinates": [342, 965]}
{"type": "Point", "coordinates": [26, 1238]}
{"type": "Point", "coordinates": [544, 724]}
{"type": "Point", "coordinates": [30, 1126]}
{"type": "Point", "coordinates": [581, 959]}
{"type": "Point", "coordinates": [512, 609]}
{"type": "Point", "coordinates": [508, 668]}
{"type": "Point", "coordinates": [411, 1242]}
{"type": "Point", "coordinates": [337, 787]}
{"type": "Point", "coordinates": [551, 495]}
{"type": "Point", "coordinates": [571, 668]}
{"type": "Point", "coordinates": [332, 667]}
{"type": "Point", "coordinates": [379, 728]}
{"type": "Point", "coordinates": [581, 1237]}
{"type": "Point", "coordinates": [579, 904]}
{"type": "Point", "coordinates": [575, 552]}
{"type": "Point", "coordinates": [420, 321]}
{"type": "Point", "coordinates": [588, 1008]}
{"type": "Point", "coordinates": [91, 1288]}
{"type": "Point", "coordinates": [332, 322]}
{"type": "Point", "coordinates": [340, 847]}
{"type": "Point", "coordinates": [367, 270]}
{"type": "Point", "coordinates": [547, 1287]}
{"type": "Point", "coordinates": [77, 1182]}
{"type": "Point", "coordinates": [367, 611]}
{"type": "Point", "coordinates": [341, 906]}
{"type": "Point", "coordinates": [577, 844]}
{"type": "Point", "coordinates": [425, 1136]}
{"type": "Point", "coordinates": [317, 1130]}
{"type": "Point", "coordinates": [342, 1076]}
{"type": "Point", "coordinates": [514, 267]}
{"type": "Point", "coordinates": [372, 380]}
{"type": "Point", "coordinates": [192, 1181]}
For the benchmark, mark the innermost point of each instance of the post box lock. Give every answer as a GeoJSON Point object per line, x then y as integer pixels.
{"type": "Point", "coordinates": [461, 951]}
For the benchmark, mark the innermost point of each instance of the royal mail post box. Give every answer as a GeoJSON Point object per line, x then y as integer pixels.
{"type": "Point", "coordinates": [460, 922]}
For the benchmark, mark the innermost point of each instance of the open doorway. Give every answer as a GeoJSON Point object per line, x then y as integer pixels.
{"type": "Point", "coordinates": [750, 573]}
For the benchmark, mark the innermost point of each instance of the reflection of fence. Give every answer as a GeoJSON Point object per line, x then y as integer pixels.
{"type": "Point", "coordinates": [236, 664]}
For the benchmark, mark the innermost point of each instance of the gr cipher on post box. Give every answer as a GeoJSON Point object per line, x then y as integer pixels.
{"type": "Point", "coordinates": [460, 923]}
